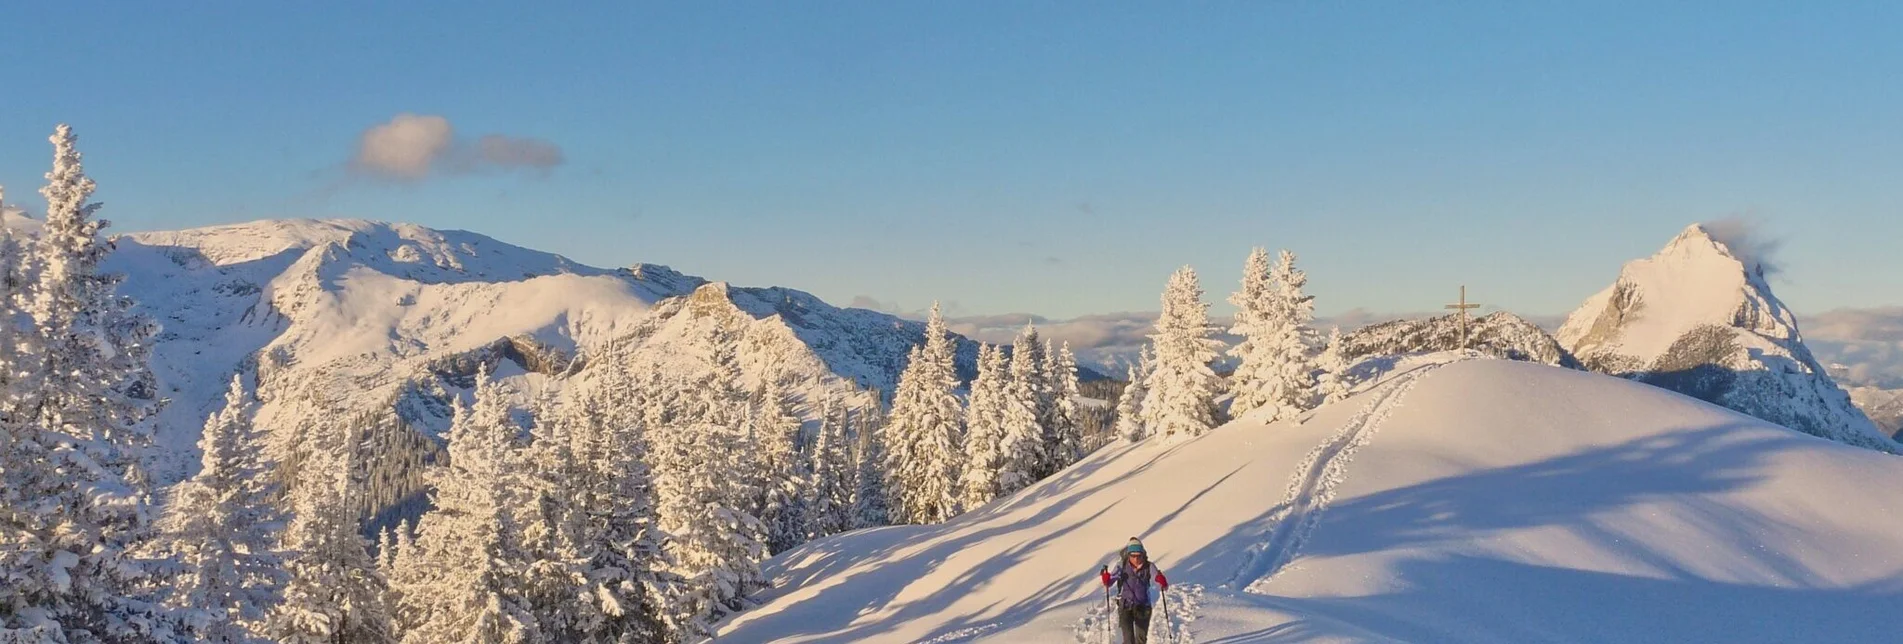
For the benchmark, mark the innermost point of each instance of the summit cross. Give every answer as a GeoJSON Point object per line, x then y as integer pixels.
{"type": "Point", "coordinates": [1462, 308]}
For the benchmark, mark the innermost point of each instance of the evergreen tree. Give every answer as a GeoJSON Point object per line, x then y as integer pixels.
{"type": "Point", "coordinates": [227, 572]}
{"type": "Point", "coordinates": [829, 501]}
{"type": "Point", "coordinates": [1129, 406]}
{"type": "Point", "coordinates": [871, 507]}
{"type": "Point", "coordinates": [984, 428]}
{"type": "Point", "coordinates": [1021, 447]}
{"type": "Point", "coordinates": [78, 388]}
{"type": "Point", "coordinates": [1288, 343]}
{"type": "Point", "coordinates": [548, 504]}
{"type": "Point", "coordinates": [787, 477]}
{"type": "Point", "coordinates": [335, 592]}
{"type": "Point", "coordinates": [1065, 439]}
{"type": "Point", "coordinates": [716, 543]}
{"type": "Point", "coordinates": [462, 585]}
{"type": "Point", "coordinates": [926, 454]}
{"type": "Point", "coordinates": [1335, 381]}
{"type": "Point", "coordinates": [1181, 389]}
{"type": "Point", "coordinates": [623, 545]}
{"type": "Point", "coordinates": [1031, 380]}
{"type": "Point", "coordinates": [1255, 323]}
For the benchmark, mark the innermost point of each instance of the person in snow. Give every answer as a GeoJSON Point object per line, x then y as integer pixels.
{"type": "Point", "coordinates": [1132, 578]}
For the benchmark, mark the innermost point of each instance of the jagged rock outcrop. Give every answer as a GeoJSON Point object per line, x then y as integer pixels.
{"type": "Point", "coordinates": [1499, 334]}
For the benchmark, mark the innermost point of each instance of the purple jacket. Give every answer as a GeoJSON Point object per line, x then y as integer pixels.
{"type": "Point", "coordinates": [1133, 586]}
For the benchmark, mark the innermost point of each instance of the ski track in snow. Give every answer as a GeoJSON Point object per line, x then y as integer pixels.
{"type": "Point", "coordinates": [1314, 483]}
{"type": "Point", "coordinates": [961, 634]}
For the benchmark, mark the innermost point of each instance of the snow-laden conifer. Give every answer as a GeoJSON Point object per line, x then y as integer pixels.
{"type": "Point", "coordinates": [335, 592]}
{"type": "Point", "coordinates": [984, 429]}
{"type": "Point", "coordinates": [1335, 382]}
{"type": "Point", "coordinates": [1286, 343]}
{"type": "Point", "coordinates": [463, 585]}
{"type": "Point", "coordinates": [926, 425]}
{"type": "Point", "coordinates": [871, 505]}
{"type": "Point", "coordinates": [1065, 438]}
{"type": "Point", "coordinates": [1254, 322]}
{"type": "Point", "coordinates": [716, 543]}
{"type": "Point", "coordinates": [1129, 407]}
{"type": "Point", "coordinates": [71, 436]}
{"type": "Point", "coordinates": [216, 531]}
{"type": "Point", "coordinates": [829, 501]}
{"type": "Point", "coordinates": [1181, 389]}
{"type": "Point", "coordinates": [787, 477]}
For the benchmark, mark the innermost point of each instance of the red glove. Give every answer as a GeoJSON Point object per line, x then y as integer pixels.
{"type": "Point", "coordinates": [1106, 576]}
{"type": "Point", "coordinates": [1161, 581]}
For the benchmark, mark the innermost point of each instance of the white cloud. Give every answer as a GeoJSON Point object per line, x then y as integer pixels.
{"type": "Point", "coordinates": [414, 147]}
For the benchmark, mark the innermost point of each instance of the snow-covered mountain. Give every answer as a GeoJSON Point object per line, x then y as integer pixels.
{"type": "Point", "coordinates": [1698, 319]}
{"type": "Point", "coordinates": [341, 318]}
{"type": "Point", "coordinates": [1480, 501]}
{"type": "Point", "coordinates": [1499, 334]}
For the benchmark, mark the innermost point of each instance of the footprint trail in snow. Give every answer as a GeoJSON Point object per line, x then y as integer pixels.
{"type": "Point", "coordinates": [1314, 483]}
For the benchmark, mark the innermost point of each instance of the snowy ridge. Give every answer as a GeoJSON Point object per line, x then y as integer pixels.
{"type": "Point", "coordinates": [1503, 502]}
{"type": "Point", "coordinates": [1314, 483]}
{"type": "Point", "coordinates": [1694, 318]}
{"type": "Point", "coordinates": [1499, 334]}
{"type": "Point", "coordinates": [340, 317]}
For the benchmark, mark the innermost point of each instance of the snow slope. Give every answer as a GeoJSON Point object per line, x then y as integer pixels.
{"type": "Point", "coordinates": [1481, 501]}
{"type": "Point", "coordinates": [1701, 320]}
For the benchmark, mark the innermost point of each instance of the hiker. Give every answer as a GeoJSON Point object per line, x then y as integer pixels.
{"type": "Point", "coordinates": [1132, 580]}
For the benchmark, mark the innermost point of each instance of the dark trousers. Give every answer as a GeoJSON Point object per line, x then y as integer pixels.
{"type": "Point", "coordinates": [1135, 621]}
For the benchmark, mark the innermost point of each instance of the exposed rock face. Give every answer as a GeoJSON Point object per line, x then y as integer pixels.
{"type": "Point", "coordinates": [1700, 320]}
{"type": "Point", "coordinates": [1500, 334]}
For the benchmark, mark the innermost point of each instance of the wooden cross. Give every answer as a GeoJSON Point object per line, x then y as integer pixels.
{"type": "Point", "coordinates": [1462, 308]}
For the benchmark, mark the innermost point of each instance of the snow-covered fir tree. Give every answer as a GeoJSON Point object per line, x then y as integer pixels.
{"type": "Point", "coordinates": [871, 506]}
{"type": "Point", "coordinates": [335, 591]}
{"type": "Point", "coordinates": [786, 474]}
{"type": "Point", "coordinates": [1285, 343]}
{"type": "Point", "coordinates": [1129, 407]}
{"type": "Point", "coordinates": [715, 541]}
{"type": "Point", "coordinates": [1031, 383]}
{"type": "Point", "coordinates": [1335, 382]}
{"type": "Point", "coordinates": [545, 486]}
{"type": "Point", "coordinates": [78, 388]}
{"type": "Point", "coordinates": [1021, 446]}
{"type": "Point", "coordinates": [925, 457]}
{"type": "Point", "coordinates": [829, 501]}
{"type": "Point", "coordinates": [1254, 323]}
{"type": "Point", "coordinates": [622, 545]}
{"type": "Point", "coordinates": [462, 575]}
{"type": "Point", "coordinates": [984, 428]}
{"type": "Point", "coordinates": [1064, 438]}
{"type": "Point", "coordinates": [216, 531]}
{"type": "Point", "coordinates": [1181, 389]}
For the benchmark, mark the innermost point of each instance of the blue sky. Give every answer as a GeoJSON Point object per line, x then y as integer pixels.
{"type": "Point", "coordinates": [1052, 158]}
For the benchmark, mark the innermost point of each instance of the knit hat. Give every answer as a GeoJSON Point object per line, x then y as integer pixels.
{"type": "Point", "coordinates": [1134, 546]}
